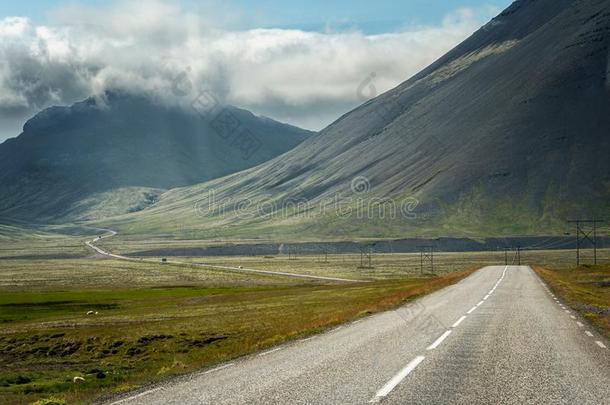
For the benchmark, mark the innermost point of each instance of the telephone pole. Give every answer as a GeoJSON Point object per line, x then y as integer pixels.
{"type": "Point", "coordinates": [292, 253]}
{"type": "Point", "coordinates": [586, 230]}
{"type": "Point", "coordinates": [426, 254]}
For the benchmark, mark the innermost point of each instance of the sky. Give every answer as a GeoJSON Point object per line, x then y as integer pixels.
{"type": "Point", "coordinates": [300, 63]}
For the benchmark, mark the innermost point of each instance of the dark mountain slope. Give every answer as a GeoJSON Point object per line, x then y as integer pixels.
{"type": "Point", "coordinates": [508, 133]}
{"type": "Point", "coordinates": [129, 149]}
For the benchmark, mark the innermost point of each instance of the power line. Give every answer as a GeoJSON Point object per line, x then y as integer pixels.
{"type": "Point", "coordinates": [584, 233]}
{"type": "Point", "coordinates": [426, 255]}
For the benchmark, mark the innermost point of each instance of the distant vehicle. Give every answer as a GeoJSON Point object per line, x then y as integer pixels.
{"type": "Point", "coordinates": [164, 260]}
{"type": "Point", "coordinates": [240, 267]}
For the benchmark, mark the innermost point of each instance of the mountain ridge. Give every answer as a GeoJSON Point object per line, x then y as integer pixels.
{"type": "Point", "coordinates": [67, 155]}
{"type": "Point", "coordinates": [499, 136]}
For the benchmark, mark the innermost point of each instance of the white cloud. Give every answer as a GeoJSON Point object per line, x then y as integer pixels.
{"type": "Point", "coordinates": [306, 78]}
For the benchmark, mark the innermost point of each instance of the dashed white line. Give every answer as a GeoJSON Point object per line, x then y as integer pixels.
{"type": "Point", "coordinates": [270, 351]}
{"type": "Point", "coordinates": [471, 310]}
{"type": "Point", "coordinates": [140, 395]}
{"type": "Point", "coordinates": [438, 341]}
{"type": "Point", "coordinates": [480, 303]}
{"type": "Point", "coordinates": [219, 368]}
{"type": "Point", "coordinates": [485, 298]}
{"type": "Point", "coordinates": [588, 333]}
{"type": "Point", "coordinates": [580, 324]}
{"type": "Point", "coordinates": [600, 344]}
{"type": "Point", "coordinates": [307, 339]}
{"type": "Point", "coordinates": [572, 316]}
{"type": "Point", "coordinates": [402, 374]}
{"type": "Point", "coordinates": [458, 322]}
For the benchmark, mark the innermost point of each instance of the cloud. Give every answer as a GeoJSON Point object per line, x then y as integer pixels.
{"type": "Point", "coordinates": [305, 78]}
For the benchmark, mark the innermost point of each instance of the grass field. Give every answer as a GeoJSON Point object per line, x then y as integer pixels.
{"type": "Point", "coordinates": [152, 321]}
{"type": "Point", "coordinates": [143, 335]}
{"type": "Point", "coordinates": [586, 289]}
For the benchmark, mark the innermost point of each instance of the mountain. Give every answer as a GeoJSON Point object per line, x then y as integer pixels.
{"type": "Point", "coordinates": [506, 134]}
{"type": "Point", "coordinates": [110, 155]}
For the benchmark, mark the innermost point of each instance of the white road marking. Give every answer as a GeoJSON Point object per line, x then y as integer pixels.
{"type": "Point", "coordinates": [270, 351]}
{"type": "Point", "coordinates": [438, 341]}
{"type": "Point", "coordinates": [485, 298]}
{"type": "Point", "coordinates": [307, 339]}
{"type": "Point", "coordinates": [600, 344]}
{"type": "Point", "coordinates": [458, 322]}
{"type": "Point", "coordinates": [588, 333]}
{"type": "Point", "coordinates": [402, 374]}
{"type": "Point", "coordinates": [572, 316]}
{"type": "Point", "coordinates": [471, 310]}
{"type": "Point", "coordinates": [480, 303]}
{"type": "Point", "coordinates": [219, 368]}
{"type": "Point", "coordinates": [580, 324]}
{"type": "Point", "coordinates": [136, 396]}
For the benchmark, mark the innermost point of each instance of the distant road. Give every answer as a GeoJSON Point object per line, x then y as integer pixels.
{"type": "Point", "coordinates": [497, 337]}
{"type": "Point", "coordinates": [110, 233]}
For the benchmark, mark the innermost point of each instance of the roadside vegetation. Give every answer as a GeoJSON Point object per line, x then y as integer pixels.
{"type": "Point", "coordinates": [76, 327]}
{"type": "Point", "coordinates": [117, 340]}
{"type": "Point", "coordinates": [586, 289]}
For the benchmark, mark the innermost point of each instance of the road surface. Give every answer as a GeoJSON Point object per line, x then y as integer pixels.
{"type": "Point", "coordinates": [497, 337]}
{"type": "Point", "coordinates": [236, 269]}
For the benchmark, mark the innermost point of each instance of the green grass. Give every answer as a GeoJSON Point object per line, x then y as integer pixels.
{"type": "Point", "coordinates": [143, 335]}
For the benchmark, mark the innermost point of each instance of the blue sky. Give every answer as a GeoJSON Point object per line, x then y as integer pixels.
{"type": "Point", "coordinates": [369, 16]}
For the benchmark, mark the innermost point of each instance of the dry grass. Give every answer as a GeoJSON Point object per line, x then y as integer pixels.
{"type": "Point", "coordinates": [586, 289]}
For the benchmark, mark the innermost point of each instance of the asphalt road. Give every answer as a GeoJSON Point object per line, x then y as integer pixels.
{"type": "Point", "coordinates": [496, 337]}
{"type": "Point", "coordinates": [234, 269]}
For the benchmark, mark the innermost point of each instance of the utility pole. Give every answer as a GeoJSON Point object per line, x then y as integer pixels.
{"type": "Point", "coordinates": [584, 233]}
{"type": "Point", "coordinates": [426, 254]}
{"type": "Point", "coordinates": [506, 256]}
{"type": "Point", "coordinates": [366, 255]}
{"type": "Point", "coordinates": [519, 255]}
